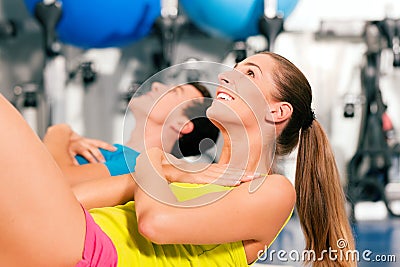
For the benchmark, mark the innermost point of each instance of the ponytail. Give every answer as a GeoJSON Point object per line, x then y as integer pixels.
{"type": "Point", "coordinates": [320, 200]}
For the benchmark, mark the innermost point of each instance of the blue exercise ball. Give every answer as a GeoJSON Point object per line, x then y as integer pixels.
{"type": "Point", "coordinates": [232, 19]}
{"type": "Point", "coordinates": [104, 23]}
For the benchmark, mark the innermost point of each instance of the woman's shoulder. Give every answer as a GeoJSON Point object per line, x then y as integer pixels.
{"type": "Point", "coordinates": [284, 185]}
{"type": "Point", "coordinates": [274, 188]}
{"type": "Point", "coordinates": [280, 180]}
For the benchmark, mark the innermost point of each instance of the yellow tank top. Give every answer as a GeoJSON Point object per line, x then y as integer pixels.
{"type": "Point", "coordinates": [120, 224]}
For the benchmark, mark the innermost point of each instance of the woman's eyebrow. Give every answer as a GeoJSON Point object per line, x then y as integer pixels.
{"type": "Point", "coordinates": [255, 65]}
{"type": "Point", "coordinates": [251, 64]}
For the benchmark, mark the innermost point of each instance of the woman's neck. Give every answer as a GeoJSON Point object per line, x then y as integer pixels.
{"type": "Point", "coordinates": [245, 150]}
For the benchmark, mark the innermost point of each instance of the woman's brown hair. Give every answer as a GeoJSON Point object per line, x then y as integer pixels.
{"type": "Point", "coordinates": [320, 200]}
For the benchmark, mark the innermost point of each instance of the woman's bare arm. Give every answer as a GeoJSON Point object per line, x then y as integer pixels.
{"type": "Point", "coordinates": [240, 215]}
{"type": "Point", "coordinates": [105, 192]}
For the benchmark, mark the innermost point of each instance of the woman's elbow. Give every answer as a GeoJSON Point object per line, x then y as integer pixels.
{"type": "Point", "coordinates": [153, 226]}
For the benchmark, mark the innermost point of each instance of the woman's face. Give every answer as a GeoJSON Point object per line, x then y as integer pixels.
{"type": "Point", "coordinates": [244, 94]}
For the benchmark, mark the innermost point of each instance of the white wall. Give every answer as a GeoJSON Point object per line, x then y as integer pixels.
{"type": "Point", "coordinates": [333, 66]}
{"type": "Point", "coordinates": [308, 13]}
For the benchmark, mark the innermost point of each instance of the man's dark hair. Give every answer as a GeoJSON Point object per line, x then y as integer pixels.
{"type": "Point", "coordinates": [204, 134]}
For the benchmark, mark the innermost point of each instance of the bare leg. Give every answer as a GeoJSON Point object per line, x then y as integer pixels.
{"type": "Point", "coordinates": [42, 223]}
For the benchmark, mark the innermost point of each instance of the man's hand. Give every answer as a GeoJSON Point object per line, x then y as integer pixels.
{"type": "Point", "coordinates": [88, 148]}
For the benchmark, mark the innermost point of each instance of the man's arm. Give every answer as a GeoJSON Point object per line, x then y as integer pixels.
{"type": "Point", "coordinates": [57, 141]}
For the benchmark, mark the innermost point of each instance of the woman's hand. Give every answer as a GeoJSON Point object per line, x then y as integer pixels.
{"type": "Point", "coordinates": [180, 170]}
{"type": "Point", "coordinates": [205, 173]}
{"type": "Point", "coordinates": [87, 148]}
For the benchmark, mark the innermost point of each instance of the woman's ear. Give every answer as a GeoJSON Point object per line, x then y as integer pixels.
{"type": "Point", "coordinates": [279, 112]}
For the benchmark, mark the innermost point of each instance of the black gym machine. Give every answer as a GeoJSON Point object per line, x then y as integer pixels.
{"type": "Point", "coordinates": [368, 169]}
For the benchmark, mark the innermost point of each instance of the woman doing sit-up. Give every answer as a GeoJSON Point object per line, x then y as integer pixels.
{"type": "Point", "coordinates": [43, 224]}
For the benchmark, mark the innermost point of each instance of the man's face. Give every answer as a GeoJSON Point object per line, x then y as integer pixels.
{"type": "Point", "coordinates": [162, 101]}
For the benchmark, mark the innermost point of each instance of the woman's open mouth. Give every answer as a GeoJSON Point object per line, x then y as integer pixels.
{"type": "Point", "coordinates": [224, 96]}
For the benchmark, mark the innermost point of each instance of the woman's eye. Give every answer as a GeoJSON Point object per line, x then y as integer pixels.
{"type": "Point", "coordinates": [250, 73]}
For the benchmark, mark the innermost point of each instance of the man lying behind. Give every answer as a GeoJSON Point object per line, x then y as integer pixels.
{"type": "Point", "coordinates": [173, 119]}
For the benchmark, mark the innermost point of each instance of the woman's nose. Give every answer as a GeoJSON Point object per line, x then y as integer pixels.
{"type": "Point", "coordinates": [223, 78]}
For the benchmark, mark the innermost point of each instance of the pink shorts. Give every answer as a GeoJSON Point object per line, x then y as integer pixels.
{"type": "Point", "coordinates": [99, 251]}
